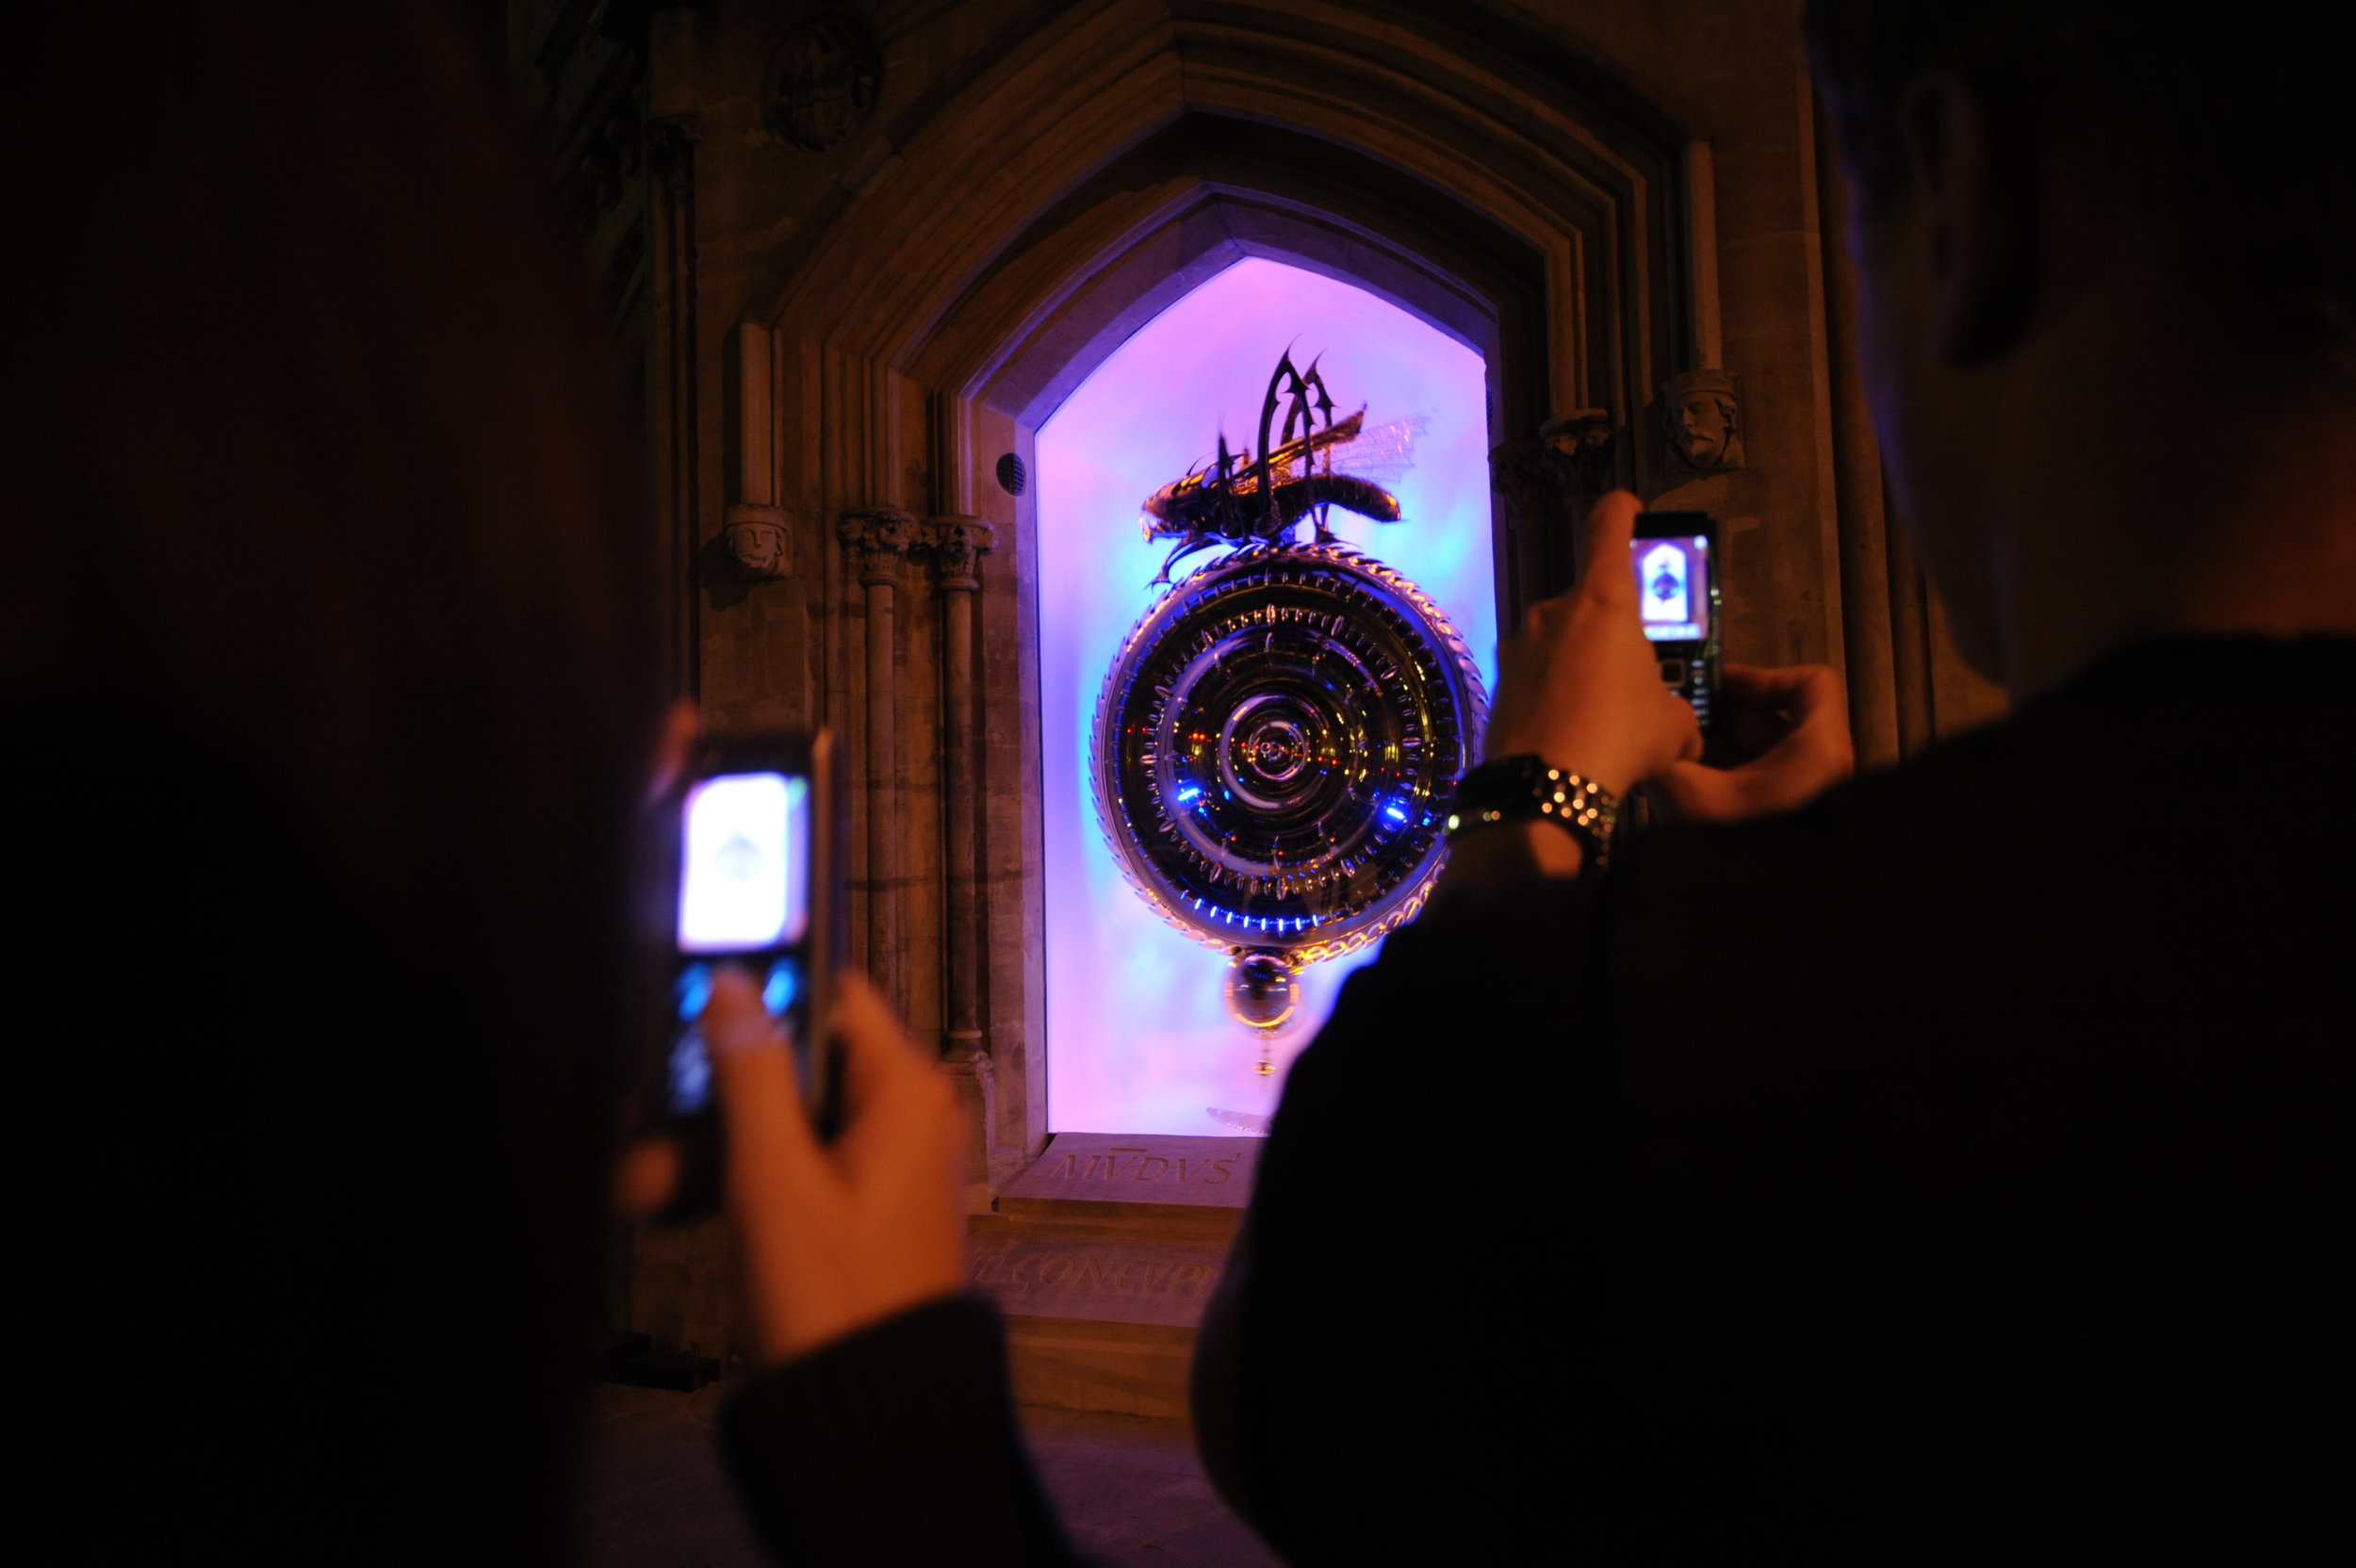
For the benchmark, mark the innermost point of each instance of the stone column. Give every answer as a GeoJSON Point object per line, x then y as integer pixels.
{"type": "Point", "coordinates": [1871, 607]}
{"type": "Point", "coordinates": [877, 538]}
{"type": "Point", "coordinates": [672, 379]}
{"type": "Point", "coordinates": [958, 544]}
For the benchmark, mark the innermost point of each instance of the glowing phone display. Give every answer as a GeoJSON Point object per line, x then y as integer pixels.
{"type": "Point", "coordinates": [1676, 601]}
{"type": "Point", "coordinates": [743, 893]}
{"type": "Point", "coordinates": [1672, 587]}
{"type": "Point", "coordinates": [744, 863]}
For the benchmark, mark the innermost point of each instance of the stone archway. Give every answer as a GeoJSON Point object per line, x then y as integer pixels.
{"type": "Point", "coordinates": [854, 333]}
{"type": "Point", "coordinates": [1071, 186]}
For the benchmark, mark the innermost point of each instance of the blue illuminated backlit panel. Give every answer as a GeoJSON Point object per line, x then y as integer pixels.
{"type": "Point", "coordinates": [1139, 1038]}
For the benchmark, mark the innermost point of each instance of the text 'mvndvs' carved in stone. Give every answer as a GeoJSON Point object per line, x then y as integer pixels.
{"type": "Point", "coordinates": [1110, 1167]}
{"type": "Point", "coordinates": [825, 81]}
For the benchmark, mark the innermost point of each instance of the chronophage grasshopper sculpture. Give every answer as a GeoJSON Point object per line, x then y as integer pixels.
{"type": "Point", "coordinates": [1266, 492]}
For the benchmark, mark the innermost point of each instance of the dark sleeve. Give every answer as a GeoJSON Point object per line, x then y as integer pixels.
{"type": "Point", "coordinates": [896, 1445]}
{"type": "Point", "coordinates": [1416, 1261]}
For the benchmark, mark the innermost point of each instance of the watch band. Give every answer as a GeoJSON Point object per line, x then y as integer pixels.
{"type": "Point", "coordinates": [1527, 789]}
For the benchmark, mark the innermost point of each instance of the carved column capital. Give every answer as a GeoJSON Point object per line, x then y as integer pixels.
{"type": "Point", "coordinates": [878, 537]}
{"type": "Point", "coordinates": [1527, 478]}
{"type": "Point", "coordinates": [1581, 444]}
{"type": "Point", "coordinates": [1569, 460]}
{"type": "Point", "coordinates": [1546, 483]}
{"type": "Point", "coordinates": [958, 544]}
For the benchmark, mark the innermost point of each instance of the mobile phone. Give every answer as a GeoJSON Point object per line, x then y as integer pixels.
{"type": "Point", "coordinates": [1676, 588]}
{"type": "Point", "coordinates": [758, 885]}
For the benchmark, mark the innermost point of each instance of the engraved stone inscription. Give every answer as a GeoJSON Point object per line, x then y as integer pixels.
{"type": "Point", "coordinates": [1120, 1282]}
{"type": "Point", "coordinates": [1109, 1168]}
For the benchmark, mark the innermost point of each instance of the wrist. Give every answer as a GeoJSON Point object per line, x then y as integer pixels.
{"type": "Point", "coordinates": [1499, 855]}
{"type": "Point", "coordinates": [1591, 762]}
{"type": "Point", "coordinates": [1527, 849]}
{"type": "Point", "coordinates": [1526, 790]}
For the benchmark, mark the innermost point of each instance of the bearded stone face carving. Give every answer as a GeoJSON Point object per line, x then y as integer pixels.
{"type": "Point", "coordinates": [1702, 416]}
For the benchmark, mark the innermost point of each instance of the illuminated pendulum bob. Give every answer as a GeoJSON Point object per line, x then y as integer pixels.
{"type": "Point", "coordinates": [1264, 995]}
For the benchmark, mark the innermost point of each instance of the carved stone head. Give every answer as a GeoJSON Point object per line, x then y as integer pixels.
{"type": "Point", "coordinates": [1702, 416]}
{"type": "Point", "coordinates": [825, 81]}
{"type": "Point", "coordinates": [756, 542]}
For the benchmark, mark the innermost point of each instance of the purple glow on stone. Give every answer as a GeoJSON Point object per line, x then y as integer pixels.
{"type": "Point", "coordinates": [1139, 1038]}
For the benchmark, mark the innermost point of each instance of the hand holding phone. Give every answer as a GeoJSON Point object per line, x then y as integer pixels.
{"type": "Point", "coordinates": [757, 868]}
{"type": "Point", "coordinates": [1578, 684]}
{"type": "Point", "coordinates": [835, 1237]}
{"type": "Point", "coordinates": [1782, 739]}
{"type": "Point", "coordinates": [1776, 737]}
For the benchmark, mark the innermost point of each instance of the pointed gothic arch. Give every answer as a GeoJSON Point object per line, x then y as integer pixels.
{"type": "Point", "coordinates": [1013, 226]}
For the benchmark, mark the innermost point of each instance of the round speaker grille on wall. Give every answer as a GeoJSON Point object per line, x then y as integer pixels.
{"type": "Point", "coordinates": [1274, 745]}
{"type": "Point", "coordinates": [1013, 476]}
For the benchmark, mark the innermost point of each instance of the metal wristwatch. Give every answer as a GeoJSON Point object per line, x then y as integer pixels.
{"type": "Point", "coordinates": [1527, 789]}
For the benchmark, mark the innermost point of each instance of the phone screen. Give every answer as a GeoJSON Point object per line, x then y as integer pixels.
{"type": "Point", "coordinates": [744, 897]}
{"type": "Point", "coordinates": [1672, 587]}
{"type": "Point", "coordinates": [1677, 599]}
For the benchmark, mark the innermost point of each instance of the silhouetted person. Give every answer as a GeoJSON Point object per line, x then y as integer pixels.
{"type": "Point", "coordinates": [330, 671]}
{"type": "Point", "coordinates": [1951, 1162]}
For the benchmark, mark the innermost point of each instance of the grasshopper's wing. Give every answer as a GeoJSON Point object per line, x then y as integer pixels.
{"type": "Point", "coordinates": [1382, 453]}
